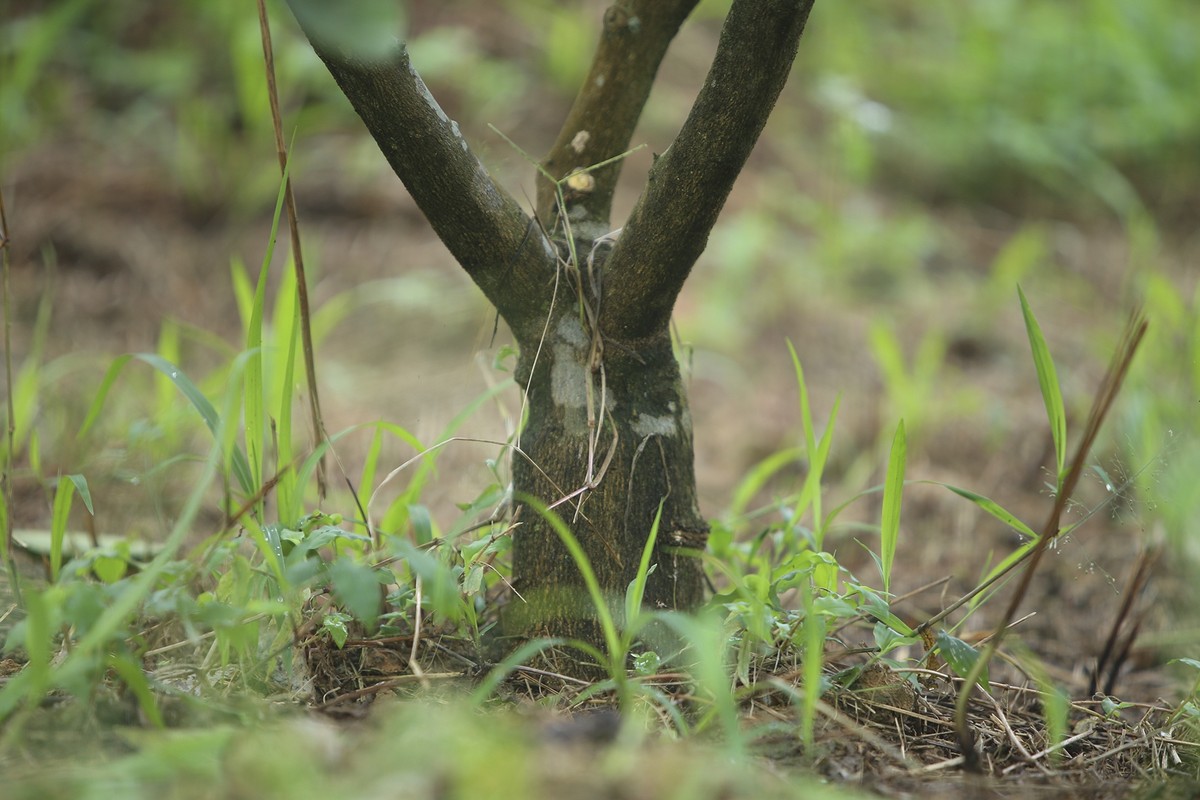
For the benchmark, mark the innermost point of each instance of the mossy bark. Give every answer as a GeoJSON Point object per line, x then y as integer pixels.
{"type": "Point", "coordinates": [608, 442]}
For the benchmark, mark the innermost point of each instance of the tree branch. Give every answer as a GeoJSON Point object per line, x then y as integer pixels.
{"type": "Point", "coordinates": [688, 184]}
{"type": "Point", "coordinates": [634, 39]}
{"type": "Point", "coordinates": [479, 222]}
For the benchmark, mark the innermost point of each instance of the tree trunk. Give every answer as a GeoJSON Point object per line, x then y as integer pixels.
{"type": "Point", "coordinates": [611, 418]}
{"type": "Point", "coordinates": [608, 436]}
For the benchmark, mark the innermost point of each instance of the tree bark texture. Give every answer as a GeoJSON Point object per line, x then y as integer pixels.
{"type": "Point", "coordinates": [612, 433]}
{"type": "Point", "coordinates": [608, 437]}
{"type": "Point", "coordinates": [633, 40]}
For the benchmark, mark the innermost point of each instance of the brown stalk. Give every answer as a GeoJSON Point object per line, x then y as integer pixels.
{"type": "Point", "coordinates": [1113, 655]}
{"type": "Point", "coordinates": [1135, 330]}
{"type": "Point", "coordinates": [9, 563]}
{"type": "Point", "coordinates": [310, 367]}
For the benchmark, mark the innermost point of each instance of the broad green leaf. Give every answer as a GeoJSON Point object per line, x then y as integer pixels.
{"type": "Point", "coordinates": [109, 569]}
{"type": "Point", "coordinates": [646, 663]}
{"type": "Point", "coordinates": [422, 523]}
{"type": "Point", "coordinates": [888, 639]}
{"type": "Point", "coordinates": [335, 625]}
{"type": "Point", "coordinates": [356, 587]}
{"type": "Point", "coordinates": [961, 657]}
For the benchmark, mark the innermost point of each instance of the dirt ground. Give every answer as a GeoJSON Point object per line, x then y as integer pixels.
{"type": "Point", "coordinates": [118, 247]}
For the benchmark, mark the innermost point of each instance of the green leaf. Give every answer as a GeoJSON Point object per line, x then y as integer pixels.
{"type": "Point", "coordinates": [85, 494]}
{"type": "Point", "coordinates": [878, 608]}
{"type": "Point", "coordinates": [887, 639]}
{"type": "Point", "coordinates": [817, 452]}
{"type": "Point", "coordinates": [357, 589]}
{"type": "Point", "coordinates": [893, 491]}
{"type": "Point", "coordinates": [1056, 706]}
{"type": "Point", "coordinates": [502, 670]}
{"type": "Point", "coordinates": [991, 507]}
{"type": "Point", "coordinates": [335, 625]}
{"type": "Point", "coordinates": [961, 657]}
{"type": "Point", "coordinates": [422, 523]}
{"type": "Point", "coordinates": [131, 674]}
{"type": "Point", "coordinates": [363, 30]}
{"type": "Point", "coordinates": [253, 415]}
{"type": "Point", "coordinates": [1051, 393]}
{"type": "Point", "coordinates": [646, 663]}
{"type": "Point", "coordinates": [814, 631]}
{"type": "Point", "coordinates": [758, 476]}
{"type": "Point", "coordinates": [241, 468]}
{"type": "Point", "coordinates": [63, 493]}
{"type": "Point", "coordinates": [109, 569]}
{"type": "Point", "coordinates": [637, 587]}
{"type": "Point", "coordinates": [603, 612]}
{"type": "Point", "coordinates": [288, 499]}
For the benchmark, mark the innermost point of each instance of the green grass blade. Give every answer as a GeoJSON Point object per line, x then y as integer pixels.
{"type": "Point", "coordinates": [991, 507]}
{"type": "Point", "coordinates": [288, 494]}
{"type": "Point", "coordinates": [241, 469]}
{"type": "Point", "coordinates": [63, 493]}
{"type": "Point", "coordinates": [253, 415]}
{"type": "Point", "coordinates": [1048, 381]}
{"type": "Point", "coordinates": [502, 670]}
{"type": "Point", "coordinates": [811, 493]}
{"type": "Point", "coordinates": [603, 612]}
{"type": "Point", "coordinates": [243, 292]}
{"type": "Point", "coordinates": [637, 589]}
{"type": "Point", "coordinates": [106, 383]}
{"type": "Point", "coordinates": [758, 476]}
{"type": "Point", "coordinates": [708, 647]}
{"type": "Point", "coordinates": [893, 491]}
{"type": "Point", "coordinates": [169, 349]}
{"type": "Point", "coordinates": [817, 452]}
{"type": "Point", "coordinates": [131, 674]}
{"type": "Point", "coordinates": [85, 494]}
{"type": "Point", "coordinates": [814, 661]}
{"type": "Point", "coordinates": [118, 611]}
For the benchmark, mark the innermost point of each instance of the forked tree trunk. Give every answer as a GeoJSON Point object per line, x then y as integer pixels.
{"type": "Point", "coordinates": [608, 441]}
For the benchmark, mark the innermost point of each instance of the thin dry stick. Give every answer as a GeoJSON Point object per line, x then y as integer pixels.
{"type": "Point", "coordinates": [1135, 330]}
{"type": "Point", "coordinates": [310, 367]}
{"type": "Point", "coordinates": [1111, 656]}
{"type": "Point", "coordinates": [9, 560]}
{"type": "Point", "coordinates": [994, 579]}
